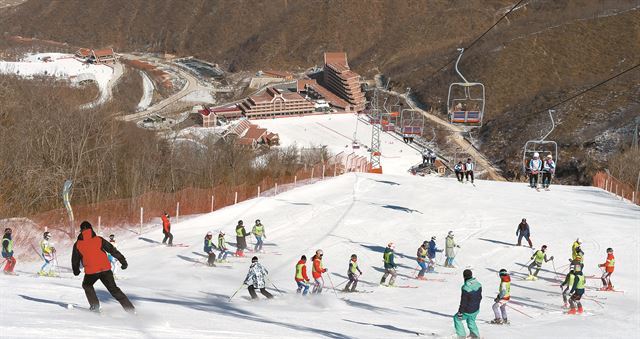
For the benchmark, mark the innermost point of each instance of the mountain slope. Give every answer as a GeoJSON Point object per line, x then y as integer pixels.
{"type": "Point", "coordinates": [354, 213]}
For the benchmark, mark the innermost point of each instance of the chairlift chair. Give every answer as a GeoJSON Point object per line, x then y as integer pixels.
{"type": "Point", "coordinates": [542, 146]}
{"type": "Point", "coordinates": [466, 100]}
{"type": "Point", "coordinates": [411, 122]}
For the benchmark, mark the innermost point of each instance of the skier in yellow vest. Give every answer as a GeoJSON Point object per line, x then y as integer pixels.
{"type": "Point", "coordinates": [258, 232]}
{"type": "Point", "coordinates": [504, 294]}
{"type": "Point", "coordinates": [536, 262]}
{"type": "Point", "coordinates": [48, 255]}
{"type": "Point", "coordinates": [577, 255]}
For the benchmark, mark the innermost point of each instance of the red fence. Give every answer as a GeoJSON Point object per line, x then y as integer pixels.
{"type": "Point", "coordinates": [615, 186]}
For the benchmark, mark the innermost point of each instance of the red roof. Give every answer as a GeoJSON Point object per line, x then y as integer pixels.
{"type": "Point", "coordinates": [85, 52]}
{"type": "Point", "coordinates": [338, 58]}
{"type": "Point", "coordinates": [279, 74]}
{"type": "Point", "coordinates": [255, 132]}
{"type": "Point", "coordinates": [103, 52]}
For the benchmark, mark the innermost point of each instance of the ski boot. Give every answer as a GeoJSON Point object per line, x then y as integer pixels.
{"type": "Point", "coordinates": [572, 311]}
{"type": "Point", "coordinates": [505, 321]}
{"type": "Point", "coordinates": [496, 321]}
{"type": "Point", "coordinates": [610, 288]}
{"type": "Point", "coordinates": [95, 308]}
{"type": "Point", "coordinates": [531, 277]}
{"type": "Point", "coordinates": [346, 290]}
{"type": "Point", "coordinates": [580, 310]}
{"type": "Point", "coordinates": [420, 277]}
{"type": "Point", "coordinates": [566, 305]}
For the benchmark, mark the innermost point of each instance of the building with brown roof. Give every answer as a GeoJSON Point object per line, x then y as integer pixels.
{"type": "Point", "coordinates": [104, 56]}
{"type": "Point", "coordinates": [341, 80]}
{"type": "Point", "coordinates": [273, 102]}
{"type": "Point", "coordinates": [247, 134]}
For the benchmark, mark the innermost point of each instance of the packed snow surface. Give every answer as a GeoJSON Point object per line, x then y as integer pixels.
{"type": "Point", "coordinates": [336, 131]}
{"type": "Point", "coordinates": [178, 297]}
{"type": "Point", "coordinates": [61, 65]}
{"type": "Point", "coordinates": [147, 93]}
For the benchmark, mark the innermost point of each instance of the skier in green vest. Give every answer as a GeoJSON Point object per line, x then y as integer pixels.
{"type": "Point", "coordinates": [568, 282]}
{"type": "Point", "coordinates": [504, 294]}
{"type": "Point", "coordinates": [353, 273]}
{"type": "Point", "coordinates": [389, 265]}
{"type": "Point", "coordinates": [7, 251]}
{"type": "Point", "coordinates": [258, 232]}
{"type": "Point", "coordinates": [577, 290]}
{"type": "Point", "coordinates": [537, 259]}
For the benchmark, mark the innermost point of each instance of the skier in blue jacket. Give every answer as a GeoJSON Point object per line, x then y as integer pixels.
{"type": "Point", "coordinates": [208, 249]}
{"type": "Point", "coordinates": [431, 254]}
{"type": "Point", "coordinates": [469, 306]}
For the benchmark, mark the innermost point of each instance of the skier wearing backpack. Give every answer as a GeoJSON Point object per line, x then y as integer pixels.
{"type": "Point", "coordinates": [468, 169]}
{"type": "Point", "coordinates": [389, 265]}
{"type": "Point", "coordinates": [48, 252]}
{"type": "Point", "coordinates": [222, 247]}
{"type": "Point", "coordinates": [256, 279]}
{"type": "Point", "coordinates": [258, 232]}
{"type": "Point", "coordinates": [7, 251]}
{"type": "Point", "coordinates": [421, 257]}
{"type": "Point", "coordinates": [523, 232]}
{"type": "Point", "coordinates": [469, 306]}
{"type": "Point", "coordinates": [504, 294]}
{"type": "Point", "coordinates": [353, 273]}
{"type": "Point", "coordinates": [301, 276]}
{"type": "Point", "coordinates": [450, 246]}
{"type": "Point", "coordinates": [548, 169]}
{"type": "Point", "coordinates": [316, 271]}
{"type": "Point", "coordinates": [166, 229]}
{"type": "Point", "coordinates": [535, 166]}
{"type": "Point", "coordinates": [241, 239]}
{"type": "Point", "coordinates": [91, 251]}
{"type": "Point", "coordinates": [608, 265]}
{"type": "Point", "coordinates": [536, 262]}
{"type": "Point", "coordinates": [459, 170]}
{"type": "Point", "coordinates": [431, 254]}
{"type": "Point", "coordinates": [577, 290]}
{"type": "Point", "coordinates": [208, 249]}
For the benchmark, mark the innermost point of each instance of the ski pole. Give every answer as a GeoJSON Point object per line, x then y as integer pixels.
{"type": "Point", "coordinates": [236, 292]}
{"type": "Point", "coordinates": [527, 265]}
{"type": "Point", "coordinates": [595, 301]}
{"type": "Point", "coordinates": [554, 269]}
{"type": "Point", "coordinates": [274, 286]}
{"type": "Point", "coordinates": [332, 286]}
{"type": "Point", "coordinates": [517, 310]}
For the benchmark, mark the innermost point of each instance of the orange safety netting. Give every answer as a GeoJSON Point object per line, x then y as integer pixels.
{"type": "Point", "coordinates": [611, 184]}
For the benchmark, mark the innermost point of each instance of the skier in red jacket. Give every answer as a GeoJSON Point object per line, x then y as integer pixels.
{"type": "Point", "coordinates": [301, 276]}
{"type": "Point", "coordinates": [91, 250]}
{"type": "Point", "coordinates": [608, 265]}
{"type": "Point", "coordinates": [166, 229]}
{"type": "Point", "coordinates": [316, 271]}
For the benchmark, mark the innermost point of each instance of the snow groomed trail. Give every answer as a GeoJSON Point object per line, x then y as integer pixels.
{"type": "Point", "coordinates": [178, 297]}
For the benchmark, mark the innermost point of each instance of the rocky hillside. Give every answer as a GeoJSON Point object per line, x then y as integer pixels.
{"type": "Point", "coordinates": [545, 51]}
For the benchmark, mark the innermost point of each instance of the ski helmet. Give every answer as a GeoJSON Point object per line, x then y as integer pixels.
{"type": "Point", "coordinates": [433, 238]}
{"type": "Point", "coordinates": [544, 247]}
{"type": "Point", "coordinates": [536, 155]}
{"type": "Point", "coordinates": [319, 252]}
{"type": "Point", "coordinates": [425, 243]}
{"type": "Point", "coordinates": [353, 256]}
{"type": "Point", "coordinates": [209, 234]}
{"type": "Point", "coordinates": [303, 257]}
{"type": "Point", "coordinates": [254, 259]}
{"type": "Point", "coordinates": [222, 233]}
{"type": "Point", "coordinates": [240, 222]}
{"type": "Point", "coordinates": [579, 241]}
{"type": "Point", "coordinates": [7, 230]}
{"type": "Point", "coordinates": [503, 272]}
{"type": "Point", "coordinates": [47, 235]}
{"type": "Point", "coordinates": [112, 236]}
{"type": "Point", "coordinates": [257, 221]}
{"type": "Point", "coordinates": [450, 233]}
{"type": "Point", "coordinates": [391, 245]}
{"type": "Point", "coordinates": [609, 250]}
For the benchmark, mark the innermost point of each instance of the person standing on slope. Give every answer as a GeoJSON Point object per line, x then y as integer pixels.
{"type": "Point", "coordinates": [48, 252]}
{"type": "Point", "coordinates": [353, 273]}
{"type": "Point", "coordinates": [421, 258]}
{"type": "Point", "coordinates": [608, 265]}
{"type": "Point", "coordinates": [535, 166]}
{"type": "Point", "coordinates": [112, 259]}
{"type": "Point", "coordinates": [577, 255]}
{"type": "Point", "coordinates": [568, 282]}
{"type": "Point", "coordinates": [7, 251]}
{"type": "Point", "coordinates": [208, 249]}
{"type": "Point", "coordinates": [459, 170]}
{"type": "Point", "coordinates": [241, 239]}
{"type": "Point", "coordinates": [91, 251]}
{"type": "Point", "coordinates": [431, 254]}
{"type": "Point", "coordinates": [536, 262]}
{"type": "Point", "coordinates": [389, 265]}
{"type": "Point", "coordinates": [222, 247]}
{"type": "Point", "coordinates": [469, 306]}
{"type": "Point", "coordinates": [468, 170]}
{"type": "Point", "coordinates": [577, 290]}
{"type": "Point", "coordinates": [450, 246]}
{"type": "Point", "coordinates": [523, 231]}
{"type": "Point", "coordinates": [166, 229]}
{"type": "Point", "coordinates": [258, 232]}
{"type": "Point", "coordinates": [316, 271]}
{"type": "Point", "coordinates": [301, 276]}
{"type": "Point", "coordinates": [256, 279]}
{"type": "Point", "coordinates": [548, 169]}
{"type": "Point", "coordinates": [504, 294]}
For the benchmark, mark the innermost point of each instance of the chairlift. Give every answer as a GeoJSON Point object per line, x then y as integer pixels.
{"type": "Point", "coordinates": [466, 100]}
{"type": "Point", "coordinates": [411, 122]}
{"type": "Point", "coordinates": [542, 146]}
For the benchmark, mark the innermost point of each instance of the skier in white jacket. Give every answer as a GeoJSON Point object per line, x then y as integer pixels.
{"type": "Point", "coordinates": [256, 279]}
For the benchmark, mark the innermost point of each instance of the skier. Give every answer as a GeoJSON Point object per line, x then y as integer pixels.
{"type": "Point", "coordinates": [577, 255]}
{"type": "Point", "coordinates": [431, 254]}
{"type": "Point", "coordinates": [208, 249]}
{"type": "Point", "coordinates": [459, 170]}
{"type": "Point", "coordinates": [536, 261]}
{"type": "Point", "coordinates": [256, 279]}
{"type": "Point", "coordinates": [535, 166]}
{"type": "Point", "coordinates": [241, 239]}
{"type": "Point", "coordinates": [112, 259]}
{"type": "Point", "coordinates": [468, 170]}
{"type": "Point", "coordinates": [425, 156]}
{"type": "Point", "coordinates": [450, 254]}
{"type": "Point", "coordinates": [91, 251]}
{"type": "Point", "coordinates": [433, 157]}
{"type": "Point", "coordinates": [301, 276]}
{"type": "Point", "coordinates": [469, 306]}
{"type": "Point", "coordinates": [7, 252]}
{"type": "Point", "coordinates": [504, 294]}
{"type": "Point", "coordinates": [316, 271]}
{"type": "Point", "coordinates": [353, 273]}
{"type": "Point", "coordinates": [421, 257]}
{"type": "Point", "coordinates": [222, 246]}
{"type": "Point", "coordinates": [548, 169]}
{"type": "Point", "coordinates": [166, 229]}
{"type": "Point", "coordinates": [258, 232]}
{"type": "Point", "coordinates": [577, 290]}
{"type": "Point", "coordinates": [568, 282]}
{"type": "Point", "coordinates": [48, 252]}
{"type": "Point", "coordinates": [523, 232]}
{"type": "Point", "coordinates": [389, 265]}
{"type": "Point", "coordinates": [608, 265]}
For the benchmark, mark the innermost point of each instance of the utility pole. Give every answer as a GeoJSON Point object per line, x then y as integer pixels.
{"type": "Point", "coordinates": [634, 143]}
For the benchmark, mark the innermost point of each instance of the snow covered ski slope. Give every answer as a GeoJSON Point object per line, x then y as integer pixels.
{"type": "Point", "coordinates": [178, 297]}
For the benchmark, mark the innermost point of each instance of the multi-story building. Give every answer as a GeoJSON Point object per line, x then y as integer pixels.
{"type": "Point", "coordinates": [273, 102]}
{"type": "Point", "coordinates": [341, 80]}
